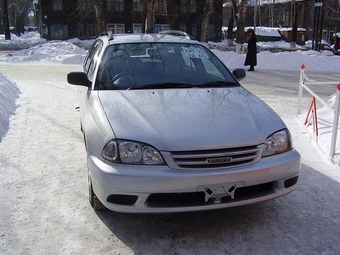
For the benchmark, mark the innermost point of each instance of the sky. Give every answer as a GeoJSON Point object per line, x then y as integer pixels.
{"type": "Point", "coordinates": [67, 53]}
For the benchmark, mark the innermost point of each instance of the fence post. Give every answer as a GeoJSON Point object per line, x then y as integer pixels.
{"type": "Point", "coordinates": [335, 123]}
{"type": "Point", "coordinates": [300, 89]}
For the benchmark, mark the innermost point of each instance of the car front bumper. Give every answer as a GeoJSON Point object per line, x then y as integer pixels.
{"type": "Point", "coordinates": [159, 189]}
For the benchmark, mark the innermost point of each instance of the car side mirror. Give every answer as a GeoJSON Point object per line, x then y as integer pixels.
{"type": "Point", "coordinates": [239, 73]}
{"type": "Point", "coordinates": [78, 78]}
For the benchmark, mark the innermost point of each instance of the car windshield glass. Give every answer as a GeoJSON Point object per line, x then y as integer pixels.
{"type": "Point", "coordinates": [160, 65]}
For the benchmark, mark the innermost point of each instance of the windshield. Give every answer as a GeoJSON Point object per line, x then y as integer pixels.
{"type": "Point", "coordinates": [160, 65]}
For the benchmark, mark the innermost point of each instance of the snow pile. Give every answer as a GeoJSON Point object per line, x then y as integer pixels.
{"type": "Point", "coordinates": [274, 45]}
{"type": "Point", "coordinates": [86, 44]}
{"type": "Point", "coordinates": [313, 60]}
{"type": "Point", "coordinates": [9, 92]}
{"type": "Point", "coordinates": [17, 43]}
{"type": "Point", "coordinates": [266, 31]}
{"type": "Point", "coordinates": [51, 52]}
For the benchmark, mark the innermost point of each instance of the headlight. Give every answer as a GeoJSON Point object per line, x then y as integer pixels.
{"type": "Point", "coordinates": [278, 142]}
{"type": "Point", "coordinates": [129, 152]}
{"type": "Point", "coordinates": [110, 151]}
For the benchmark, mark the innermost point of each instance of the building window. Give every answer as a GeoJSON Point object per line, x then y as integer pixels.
{"type": "Point", "coordinates": [136, 5]}
{"type": "Point", "coordinates": [82, 30]}
{"type": "Point", "coordinates": [137, 28]}
{"type": "Point", "coordinates": [57, 5]}
{"type": "Point", "coordinates": [116, 28]}
{"type": "Point", "coordinates": [182, 5]}
{"type": "Point", "coordinates": [115, 5]}
{"type": "Point", "coordinates": [161, 27]}
{"type": "Point", "coordinates": [86, 30]}
{"type": "Point", "coordinates": [92, 32]}
{"type": "Point", "coordinates": [58, 31]}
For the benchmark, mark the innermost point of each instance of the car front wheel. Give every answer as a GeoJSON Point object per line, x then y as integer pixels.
{"type": "Point", "coordinates": [94, 201]}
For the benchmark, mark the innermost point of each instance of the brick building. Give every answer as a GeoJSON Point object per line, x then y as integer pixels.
{"type": "Point", "coordinates": [64, 19]}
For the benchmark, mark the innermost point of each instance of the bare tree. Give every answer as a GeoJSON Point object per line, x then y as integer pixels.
{"type": "Point", "coordinates": [239, 14]}
{"type": "Point", "coordinates": [83, 8]}
{"type": "Point", "coordinates": [207, 12]}
{"type": "Point", "coordinates": [294, 28]}
{"type": "Point", "coordinates": [333, 10]}
{"type": "Point", "coordinates": [22, 7]}
{"type": "Point", "coordinates": [188, 16]}
{"type": "Point", "coordinates": [255, 14]}
{"type": "Point", "coordinates": [5, 19]}
{"type": "Point", "coordinates": [271, 13]}
{"type": "Point", "coordinates": [230, 31]}
{"type": "Point", "coordinates": [100, 9]}
{"type": "Point", "coordinates": [150, 15]}
{"type": "Point", "coordinates": [14, 13]}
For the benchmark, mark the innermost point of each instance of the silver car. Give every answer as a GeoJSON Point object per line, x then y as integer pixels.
{"type": "Point", "coordinates": [168, 128]}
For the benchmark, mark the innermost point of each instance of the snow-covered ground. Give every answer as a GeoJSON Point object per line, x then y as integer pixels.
{"type": "Point", "coordinates": [66, 52]}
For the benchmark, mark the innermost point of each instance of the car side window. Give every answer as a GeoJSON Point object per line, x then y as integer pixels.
{"type": "Point", "coordinates": [91, 59]}
{"type": "Point", "coordinates": [88, 57]}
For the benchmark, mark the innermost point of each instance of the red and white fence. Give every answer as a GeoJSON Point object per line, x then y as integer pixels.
{"type": "Point", "coordinates": [312, 111]}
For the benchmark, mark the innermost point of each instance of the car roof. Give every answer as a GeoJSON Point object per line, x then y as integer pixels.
{"type": "Point", "coordinates": [150, 38]}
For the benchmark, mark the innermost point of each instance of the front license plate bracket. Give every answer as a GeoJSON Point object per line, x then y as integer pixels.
{"type": "Point", "coordinates": [216, 192]}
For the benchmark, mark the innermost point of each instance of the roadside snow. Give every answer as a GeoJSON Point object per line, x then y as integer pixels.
{"type": "Point", "coordinates": [25, 41]}
{"type": "Point", "coordinates": [9, 93]}
{"type": "Point", "coordinates": [50, 52]}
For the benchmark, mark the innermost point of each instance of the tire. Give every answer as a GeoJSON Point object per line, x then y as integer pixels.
{"type": "Point", "coordinates": [94, 201]}
{"type": "Point", "coordinates": [85, 144]}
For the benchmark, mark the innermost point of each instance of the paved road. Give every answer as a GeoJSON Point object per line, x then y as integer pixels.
{"type": "Point", "coordinates": [44, 207]}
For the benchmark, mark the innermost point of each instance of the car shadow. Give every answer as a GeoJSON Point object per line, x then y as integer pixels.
{"type": "Point", "coordinates": [305, 221]}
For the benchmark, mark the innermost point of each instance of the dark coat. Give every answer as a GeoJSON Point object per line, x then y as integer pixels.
{"type": "Point", "coordinates": [251, 59]}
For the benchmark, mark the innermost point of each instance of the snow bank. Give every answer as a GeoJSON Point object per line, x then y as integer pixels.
{"type": "Point", "coordinates": [51, 52]}
{"type": "Point", "coordinates": [17, 43]}
{"type": "Point", "coordinates": [313, 60]}
{"type": "Point", "coordinates": [9, 92]}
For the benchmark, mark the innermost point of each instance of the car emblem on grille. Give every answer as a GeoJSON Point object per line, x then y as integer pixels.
{"type": "Point", "coordinates": [219, 160]}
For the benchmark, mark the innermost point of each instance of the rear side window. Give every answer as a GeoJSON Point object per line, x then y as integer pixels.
{"type": "Point", "coordinates": [92, 59]}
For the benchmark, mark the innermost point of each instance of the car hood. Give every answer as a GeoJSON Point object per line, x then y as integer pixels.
{"type": "Point", "coordinates": [190, 119]}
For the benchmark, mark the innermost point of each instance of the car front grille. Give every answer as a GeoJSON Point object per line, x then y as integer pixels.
{"type": "Point", "coordinates": [215, 158]}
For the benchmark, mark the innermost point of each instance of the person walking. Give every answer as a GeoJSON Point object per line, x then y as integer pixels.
{"type": "Point", "coordinates": [251, 59]}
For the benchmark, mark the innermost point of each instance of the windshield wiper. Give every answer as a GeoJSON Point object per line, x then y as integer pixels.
{"type": "Point", "coordinates": [172, 85]}
{"type": "Point", "coordinates": [166, 85]}
{"type": "Point", "coordinates": [218, 84]}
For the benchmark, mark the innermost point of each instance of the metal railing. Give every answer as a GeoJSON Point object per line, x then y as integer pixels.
{"type": "Point", "coordinates": [303, 84]}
